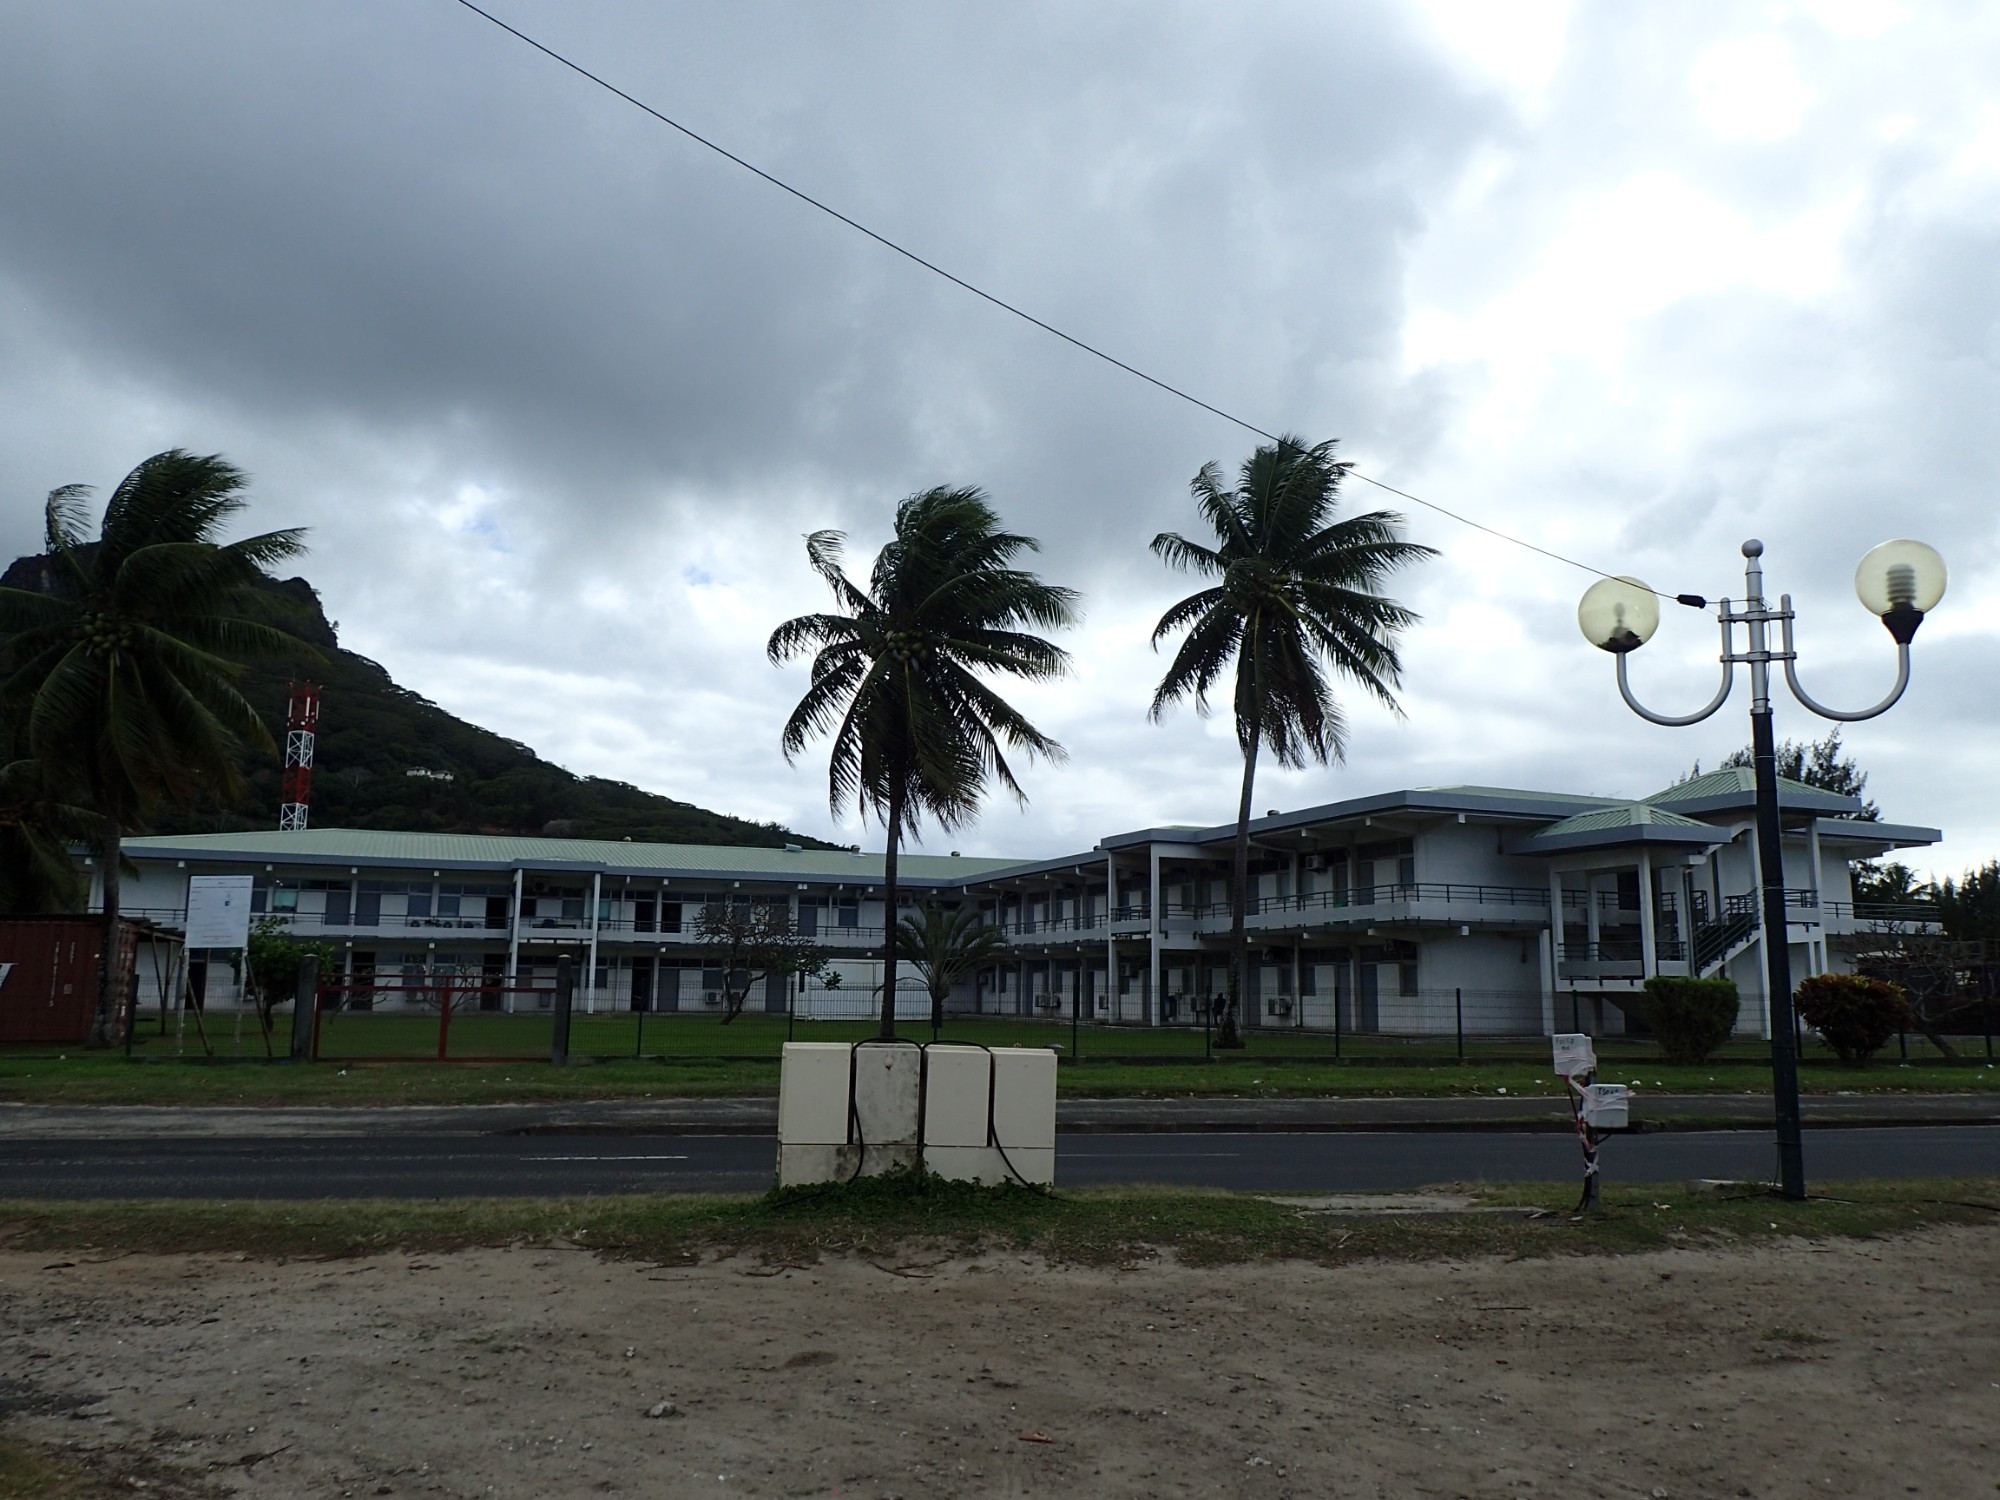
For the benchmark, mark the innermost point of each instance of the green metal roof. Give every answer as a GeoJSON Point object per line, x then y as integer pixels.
{"type": "Point", "coordinates": [1734, 784]}
{"type": "Point", "coordinates": [1514, 794]}
{"type": "Point", "coordinates": [1613, 827]}
{"type": "Point", "coordinates": [1631, 815]}
{"type": "Point", "coordinates": [356, 846]}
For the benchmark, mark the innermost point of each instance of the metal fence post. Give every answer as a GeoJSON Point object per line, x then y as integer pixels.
{"type": "Point", "coordinates": [1076, 1016]}
{"type": "Point", "coordinates": [639, 1036]}
{"type": "Point", "coordinates": [559, 1027]}
{"type": "Point", "coordinates": [305, 1009]}
{"type": "Point", "coordinates": [1988, 1009]}
{"type": "Point", "coordinates": [1458, 1008]}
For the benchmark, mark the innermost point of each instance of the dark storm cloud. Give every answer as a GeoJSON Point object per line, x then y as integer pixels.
{"type": "Point", "coordinates": [398, 216]}
{"type": "Point", "coordinates": [557, 390]}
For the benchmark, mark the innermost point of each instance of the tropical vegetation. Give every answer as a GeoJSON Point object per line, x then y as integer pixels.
{"type": "Point", "coordinates": [899, 674]}
{"type": "Point", "coordinates": [1296, 600]}
{"type": "Point", "coordinates": [947, 945]}
{"type": "Point", "coordinates": [124, 672]}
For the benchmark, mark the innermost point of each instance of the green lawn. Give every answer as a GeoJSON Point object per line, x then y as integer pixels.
{"type": "Point", "coordinates": [705, 1059]}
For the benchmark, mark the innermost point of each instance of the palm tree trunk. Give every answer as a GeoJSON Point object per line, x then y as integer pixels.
{"type": "Point", "coordinates": [1239, 907]}
{"type": "Point", "coordinates": [896, 795]}
{"type": "Point", "coordinates": [107, 961]}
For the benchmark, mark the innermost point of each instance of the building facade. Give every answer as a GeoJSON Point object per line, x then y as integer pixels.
{"type": "Point", "coordinates": [1495, 911]}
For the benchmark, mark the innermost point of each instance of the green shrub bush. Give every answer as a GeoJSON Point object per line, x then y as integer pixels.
{"type": "Point", "coordinates": [1690, 1017]}
{"type": "Point", "coordinates": [1857, 1015]}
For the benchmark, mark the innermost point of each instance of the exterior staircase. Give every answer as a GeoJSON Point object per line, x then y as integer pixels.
{"type": "Point", "coordinates": [1719, 939]}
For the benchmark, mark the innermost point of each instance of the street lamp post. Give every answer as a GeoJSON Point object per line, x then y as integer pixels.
{"type": "Point", "coordinates": [1899, 582]}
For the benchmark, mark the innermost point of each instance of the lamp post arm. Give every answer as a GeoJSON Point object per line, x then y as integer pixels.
{"type": "Point", "coordinates": [1798, 692]}
{"type": "Point", "coordinates": [1721, 693]}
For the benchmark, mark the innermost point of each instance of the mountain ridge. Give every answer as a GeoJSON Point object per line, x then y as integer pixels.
{"type": "Point", "coordinates": [386, 757]}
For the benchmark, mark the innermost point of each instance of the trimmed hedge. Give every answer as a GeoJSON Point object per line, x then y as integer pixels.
{"type": "Point", "coordinates": [1857, 1015]}
{"type": "Point", "coordinates": [1690, 1017]}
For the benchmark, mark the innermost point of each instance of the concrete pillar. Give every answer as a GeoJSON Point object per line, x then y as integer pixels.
{"type": "Point", "coordinates": [514, 940]}
{"type": "Point", "coordinates": [1149, 1010]}
{"type": "Point", "coordinates": [590, 977]}
{"type": "Point", "coordinates": [1649, 957]}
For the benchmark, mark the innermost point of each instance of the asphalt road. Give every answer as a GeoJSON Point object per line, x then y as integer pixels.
{"type": "Point", "coordinates": [538, 1166]}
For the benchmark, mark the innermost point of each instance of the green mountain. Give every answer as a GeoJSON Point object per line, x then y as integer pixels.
{"type": "Point", "coordinates": [373, 734]}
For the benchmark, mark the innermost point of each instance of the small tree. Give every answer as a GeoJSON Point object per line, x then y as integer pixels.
{"type": "Point", "coordinates": [753, 941]}
{"type": "Point", "coordinates": [946, 946]}
{"type": "Point", "coordinates": [1857, 1015]}
{"type": "Point", "coordinates": [1690, 1017]}
{"type": "Point", "coordinates": [274, 957]}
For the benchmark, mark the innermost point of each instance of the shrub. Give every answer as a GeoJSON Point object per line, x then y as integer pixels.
{"type": "Point", "coordinates": [1691, 1017]}
{"type": "Point", "coordinates": [1857, 1015]}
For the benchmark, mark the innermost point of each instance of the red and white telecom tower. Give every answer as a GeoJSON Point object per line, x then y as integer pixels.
{"type": "Point", "coordinates": [301, 724]}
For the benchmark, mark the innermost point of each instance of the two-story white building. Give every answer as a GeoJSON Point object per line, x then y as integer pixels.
{"type": "Point", "coordinates": [1409, 912]}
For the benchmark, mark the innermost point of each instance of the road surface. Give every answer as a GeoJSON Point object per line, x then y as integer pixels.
{"type": "Point", "coordinates": [551, 1165]}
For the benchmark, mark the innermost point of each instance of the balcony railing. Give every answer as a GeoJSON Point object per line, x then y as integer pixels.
{"type": "Point", "coordinates": [1366, 900]}
{"type": "Point", "coordinates": [1886, 913]}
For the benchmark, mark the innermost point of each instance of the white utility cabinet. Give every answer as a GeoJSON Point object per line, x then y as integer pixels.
{"type": "Point", "coordinates": [846, 1112]}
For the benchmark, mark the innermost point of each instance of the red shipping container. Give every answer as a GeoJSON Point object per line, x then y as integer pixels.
{"type": "Point", "coordinates": [48, 977]}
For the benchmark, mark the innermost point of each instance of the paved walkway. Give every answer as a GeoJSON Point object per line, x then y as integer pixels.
{"type": "Point", "coordinates": [760, 1116]}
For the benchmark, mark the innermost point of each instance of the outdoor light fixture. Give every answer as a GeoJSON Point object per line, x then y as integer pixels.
{"type": "Point", "coordinates": [1900, 582]}
{"type": "Point", "coordinates": [1618, 614]}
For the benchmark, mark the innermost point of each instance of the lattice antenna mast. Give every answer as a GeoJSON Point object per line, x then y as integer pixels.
{"type": "Point", "coordinates": [301, 726]}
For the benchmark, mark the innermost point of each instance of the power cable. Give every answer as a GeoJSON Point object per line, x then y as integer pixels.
{"type": "Point", "coordinates": [1694, 600]}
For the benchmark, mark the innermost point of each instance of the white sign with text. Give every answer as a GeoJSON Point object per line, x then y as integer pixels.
{"type": "Point", "coordinates": [218, 911]}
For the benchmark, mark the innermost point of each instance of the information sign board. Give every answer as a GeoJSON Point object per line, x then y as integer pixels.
{"type": "Point", "coordinates": [218, 911]}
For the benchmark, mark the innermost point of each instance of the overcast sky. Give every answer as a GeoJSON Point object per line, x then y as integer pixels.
{"type": "Point", "coordinates": [558, 392]}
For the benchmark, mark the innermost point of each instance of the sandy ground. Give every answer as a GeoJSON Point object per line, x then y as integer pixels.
{"type": "Point", "coordinates": [1867, 1368]}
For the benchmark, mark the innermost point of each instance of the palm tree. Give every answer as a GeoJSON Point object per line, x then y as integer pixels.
{"type": "Point", "coordinates": [125, 669]}
{"type": "Point", "coordinates": [1297, 595]}
{"type": "Point", "coordinates": [897, 674]}
{"type": "Point", "coordinates": [37, 828]}
{"type": "Point", "coordinates": [946, 946]}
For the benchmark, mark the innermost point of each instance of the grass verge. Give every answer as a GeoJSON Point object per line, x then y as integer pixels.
{"type": "Point", "coordinates": [98, 1078]}
{"type": "Point", "coordinates": [885, 1218]}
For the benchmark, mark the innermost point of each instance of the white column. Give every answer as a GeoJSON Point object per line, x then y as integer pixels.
{"type": "Point", "coordinates": [1555, 920]}
{"type": "Point", "coordinates": [1545, 962]}
{"type": "Point", "coordinates": [1110, 937]}
{"type": "Point", "coordinates": [1649, 958]}
{"type": "Point", "coordinates": [1149, 1003]}
{"type": "Point", "coordinates": [590, 974]}
{"type": "Point", "coordinates": [514, 941]}
{"type": "Point", "coordinates": [1763, 937]}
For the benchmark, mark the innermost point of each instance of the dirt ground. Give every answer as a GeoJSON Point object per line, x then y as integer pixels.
{"type": "Point", "coordinates": [1855, 1368]}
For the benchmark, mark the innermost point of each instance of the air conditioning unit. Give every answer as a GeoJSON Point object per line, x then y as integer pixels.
{"type": "Point", "coordinates": [712, 998]}
{"type": "Point", "coordinates": [1278, 1005]}
{"type": "Point", "coordinates": [1316, 861]}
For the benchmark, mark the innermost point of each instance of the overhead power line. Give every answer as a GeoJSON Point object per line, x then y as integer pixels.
{"type": "Point", "coordinates": [1008, 307]}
